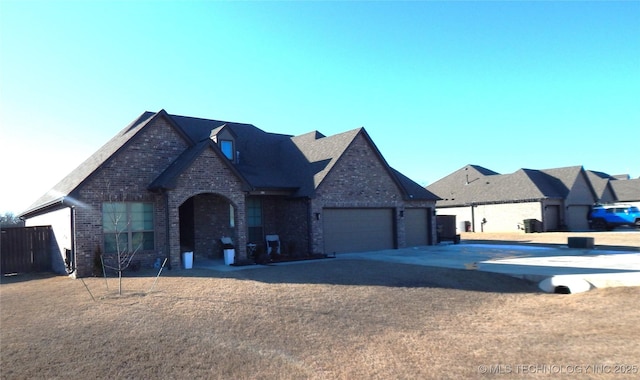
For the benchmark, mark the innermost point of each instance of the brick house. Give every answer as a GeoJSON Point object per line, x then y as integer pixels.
{"type": "Point", "coordinates": [167, 184]}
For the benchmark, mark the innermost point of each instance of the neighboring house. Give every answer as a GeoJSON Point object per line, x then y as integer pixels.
{"type": "Point", "coordinates": [483, 200]}
{"type": "Point", "coordinates": [626, 190]}
{"type": "Point", "coordinates": [601, 183]}
{"type": "Point", "coordinates": [167, 184]}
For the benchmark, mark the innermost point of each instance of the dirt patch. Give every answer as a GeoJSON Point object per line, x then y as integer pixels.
{"type": "Point", "coordinates": [327, 319]}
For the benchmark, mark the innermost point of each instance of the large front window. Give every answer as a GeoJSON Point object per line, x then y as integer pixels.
{"type": "Point", "coordinates": [127, 226]}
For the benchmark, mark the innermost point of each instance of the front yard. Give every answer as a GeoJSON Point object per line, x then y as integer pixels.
{"type": "Point", "coordinates": [325, 319]}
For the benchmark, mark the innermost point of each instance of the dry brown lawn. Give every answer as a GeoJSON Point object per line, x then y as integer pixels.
{"type": "Point", "coordinates": [326, 319]}
{"type": "Point", "coordinates": [627, 239]}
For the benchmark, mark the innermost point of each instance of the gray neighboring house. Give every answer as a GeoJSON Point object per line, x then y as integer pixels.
{"type": "Point", "coordinates": [601, 183]}
{"type": "Point", "coordinates": [168, 184]}
{"type": "Point", "coordinates": [626, 190]}
{"type": "Point", "coordinates": [483, 200]}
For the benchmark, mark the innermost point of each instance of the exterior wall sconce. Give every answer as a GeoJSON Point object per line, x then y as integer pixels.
{"type": "Point", "coordinates": [401, 214]}
{"type": "Point", "coordinates": [317, 214]}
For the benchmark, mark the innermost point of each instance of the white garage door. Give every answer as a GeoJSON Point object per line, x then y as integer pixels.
{"type": "Point", "coordinates": [416, 226]}
{"type": "Point", "coordinates": [358, 230]}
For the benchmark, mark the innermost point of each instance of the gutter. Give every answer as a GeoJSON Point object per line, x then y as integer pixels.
{"type": "Point", "coordinates": [46, 207]}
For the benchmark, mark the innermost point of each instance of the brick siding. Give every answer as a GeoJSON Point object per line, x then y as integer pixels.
{"type": "Point", "coordinates": [125, 177]}
{"type": "Point", "coordinates": [360, 179]}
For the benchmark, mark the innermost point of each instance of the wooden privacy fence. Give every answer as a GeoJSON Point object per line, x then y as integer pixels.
{"type": "Point", "coordinates": [25, 249]}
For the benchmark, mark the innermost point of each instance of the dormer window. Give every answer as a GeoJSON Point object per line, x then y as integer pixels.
{"type": "Point", "coordinates": [226, 146]}
{"type": "Point", "coordinates": [224, 137]}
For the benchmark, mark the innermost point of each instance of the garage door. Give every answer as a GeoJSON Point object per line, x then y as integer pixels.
{"type": "Point", "coordinates": [358, 230]}
{"type": "Point", "coordinates": [416, 226]}
{"type": "Point", "coordinates": [576, 217]}
{"type": "Point", "coordinates": [552, 218]}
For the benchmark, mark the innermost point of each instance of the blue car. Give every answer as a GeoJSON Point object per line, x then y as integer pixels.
{"type": "Point", "coordinates": [606, 218]}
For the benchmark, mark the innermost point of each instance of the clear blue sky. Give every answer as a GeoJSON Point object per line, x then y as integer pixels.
{"type": "Point", "coordinates": [437, 85]}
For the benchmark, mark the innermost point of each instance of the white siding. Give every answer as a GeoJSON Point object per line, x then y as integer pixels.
{"type": "Point", "coordinates": [462, 214]}
{"type": "Point", "coordinates": [60, 222]}
{"type": "Point", "coordinates": [505, 217]}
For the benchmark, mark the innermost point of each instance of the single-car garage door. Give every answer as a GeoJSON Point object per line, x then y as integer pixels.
{"type": "Point", "coordinates": [358, 230]}
{"type": "Point", "coordinates": [416, 226]}
{"type": "Point", "coordinates": [576, 217]}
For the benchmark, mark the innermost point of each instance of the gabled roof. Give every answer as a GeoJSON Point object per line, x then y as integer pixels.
{"type": "Point", "coordinates": [65, 188]}
{"type": "Point", "coordinates": [319, 154]}
{"type": "Point", "coordinates": [414, 190]}
{"type": "Point", "coordinates": [265, 160]}
{"type": "Point", "coordinates": [599, 182]}
{"type": "Point", "coordinates": [296, 163]}
{"type": "Point", "coordinates": [626, 190]}
{"type": "Point", "coordinates": [259, 152]}
{"type": "Point", "coordinates": [568, 177]}
{"type": "Point", "coordinates": [471, 185]}
{"type": "Point", "coordinates": [167, 179]}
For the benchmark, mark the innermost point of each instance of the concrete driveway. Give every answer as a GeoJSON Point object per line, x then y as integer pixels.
{"type": "Point", "coordinates": [556, 269]}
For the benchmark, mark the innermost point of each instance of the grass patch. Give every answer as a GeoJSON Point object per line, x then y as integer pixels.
{"type": "Point", "coordinates": [318, 320]}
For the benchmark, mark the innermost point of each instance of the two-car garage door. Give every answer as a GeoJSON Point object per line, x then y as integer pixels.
{"type": "Point", "coordinates": [371, 229]}
{"type": "Point", "coordinates": [357, 230]}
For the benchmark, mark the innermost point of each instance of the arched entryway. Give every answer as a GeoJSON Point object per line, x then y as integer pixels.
{"type": "Point", "coordinates": [204, 219]}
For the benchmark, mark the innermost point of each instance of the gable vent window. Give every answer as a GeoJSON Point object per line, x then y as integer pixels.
{"type": "Point", "coordinates": [226, 146]}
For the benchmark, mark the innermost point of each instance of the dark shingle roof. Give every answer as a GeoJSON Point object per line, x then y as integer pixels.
{"type": "Point", "coordinates": [626, 190]}
{"type": "Point", "coordinates": [265, 160]}
{"type": "Point", "coordinates": [413, 189]}
{"type": "Point", "coordinates": [470, 185]}
{"type": "Point", "coordinates": [599, 182]}
{"type": "Point", "coordinates": [318, 156]}
{"type": "Point", "coordinates": [68, 184]}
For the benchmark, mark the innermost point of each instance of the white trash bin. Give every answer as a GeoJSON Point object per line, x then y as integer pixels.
{"type": "Point", "coordinates": [229, 256]}
{"type": "Point", "coordinates": [187, 259]}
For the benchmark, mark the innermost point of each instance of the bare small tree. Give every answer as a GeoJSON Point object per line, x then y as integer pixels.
{"type": "Point", "coordinates": [115, 214]}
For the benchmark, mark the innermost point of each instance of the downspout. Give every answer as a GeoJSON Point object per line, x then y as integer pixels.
{"type": "Point", "coordinates": [473, 218]}
{"type": "Point", "coordinates": [73, 240]}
